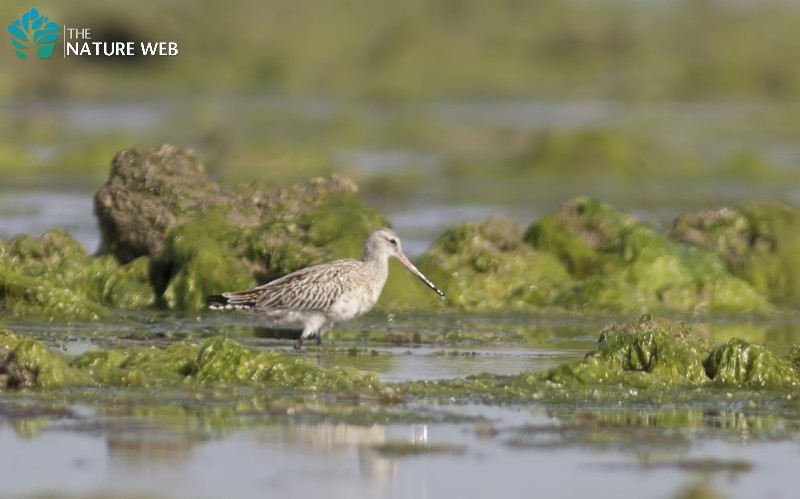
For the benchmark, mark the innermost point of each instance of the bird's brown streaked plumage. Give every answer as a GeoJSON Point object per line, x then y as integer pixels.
{"type": "Point", "coordinates": [318, 297]}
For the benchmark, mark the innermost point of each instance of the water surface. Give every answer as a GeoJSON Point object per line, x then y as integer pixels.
{"type": "Point", "coordinates": [131, 442]}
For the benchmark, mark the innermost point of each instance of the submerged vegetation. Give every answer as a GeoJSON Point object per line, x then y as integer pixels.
{"type": "Point", "coordinates": [28, 363]}
{"type": "Point", "coordinates": [649, 360]}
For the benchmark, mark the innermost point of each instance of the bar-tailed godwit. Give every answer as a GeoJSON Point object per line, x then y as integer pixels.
{"type": "Point", "coordinates": [318, 297]}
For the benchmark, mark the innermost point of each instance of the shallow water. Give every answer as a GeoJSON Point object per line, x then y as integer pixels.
{"type": "Point", "coordinates": [340, 460]}
{"type": "Point", "coordinates": [35, 211]}
{"type": "Point", "coordinates": [133, 442]}
{"type": "Point", "coordinates": [281, 461]}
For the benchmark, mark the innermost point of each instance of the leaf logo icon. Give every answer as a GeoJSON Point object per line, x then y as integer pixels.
{"type": "Point", "coordinates": [34, 28]}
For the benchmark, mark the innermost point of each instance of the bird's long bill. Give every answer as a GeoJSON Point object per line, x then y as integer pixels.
{"type": "Point", "coordinates": [410, 266]}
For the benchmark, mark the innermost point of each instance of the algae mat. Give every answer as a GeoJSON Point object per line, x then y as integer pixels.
{"type": "Point", "coordinates": [163, 405]}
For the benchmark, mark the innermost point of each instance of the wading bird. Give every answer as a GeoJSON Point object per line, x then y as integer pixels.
{"type": "Point", "coordinates": [318, 297]}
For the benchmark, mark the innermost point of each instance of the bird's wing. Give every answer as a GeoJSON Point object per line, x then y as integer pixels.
{"type": "Point", "coordinates": [312, 288]}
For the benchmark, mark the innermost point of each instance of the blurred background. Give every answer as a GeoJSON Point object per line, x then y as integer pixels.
{"type": "Point", "coordinates": [442, 110]}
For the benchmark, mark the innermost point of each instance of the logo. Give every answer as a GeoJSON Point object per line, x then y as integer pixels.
{"type": "Point", "coordinates": [33, 29]}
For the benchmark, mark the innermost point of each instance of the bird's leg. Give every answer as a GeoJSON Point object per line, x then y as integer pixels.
{"type": "Point", "coordinates": [313, 326]}
{"type": "Point", "coordinates": [320, 332]}
{"type": "Point", "coordinates": [308, 330]}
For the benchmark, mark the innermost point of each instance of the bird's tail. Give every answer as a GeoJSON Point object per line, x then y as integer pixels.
{"type": "Point", "coordinates": [223, 302]}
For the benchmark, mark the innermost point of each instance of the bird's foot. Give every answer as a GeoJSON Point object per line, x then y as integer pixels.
{"type": "Point", "coordinates": [319, 339]}
{"type": "Point", "coordinates": [298, 345]}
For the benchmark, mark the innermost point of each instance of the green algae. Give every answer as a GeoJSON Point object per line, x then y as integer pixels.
{"type": "Point", "coordinates": [218, 361]}
{"type": "Point", "coordinates": [195, 263]}
{"type": "Point", "coordinates": [26, 296]}
{"type": "Point", "coordinates": [480, 266]}
{"type": "Point", "coordinates": [666, 350]}
{"type": "Point", "coordinates": [582, 234]}
{"type": "Point", "coordinates": [27, 363]}
{"type": "Point", "coordinates": [650, 360]}
{"type": "Point", "coordinates": [737, 363]}
{"type": "Point", "coordinates": [127, 286]}
{"type": "Point", "coordinates": [619, 264]}
{"type": "Point", "coordinates": [221, 360]}
{"type": "Point", "coordinates": [758, 242]}
{"type": "Point", "coordinates": [138, 366]}
{"type": "Point", "coordinates": [37, 276]}
{"type": "Point", "coordinates": [793, 356]}
{"type": "Point", "coordinates": [53, 276]}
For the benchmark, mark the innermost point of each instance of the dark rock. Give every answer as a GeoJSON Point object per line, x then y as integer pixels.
{"type": "Point", "coordinates": [151, 191]}
{"type": "Point", "coordinates": [148, 192]}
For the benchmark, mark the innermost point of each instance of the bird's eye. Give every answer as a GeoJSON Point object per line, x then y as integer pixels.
{"type": "Point", "coordinates": [393, 241]}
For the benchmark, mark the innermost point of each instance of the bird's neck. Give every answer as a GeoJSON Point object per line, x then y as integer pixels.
{"type": "Point", "coordinates": [376, 267]}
